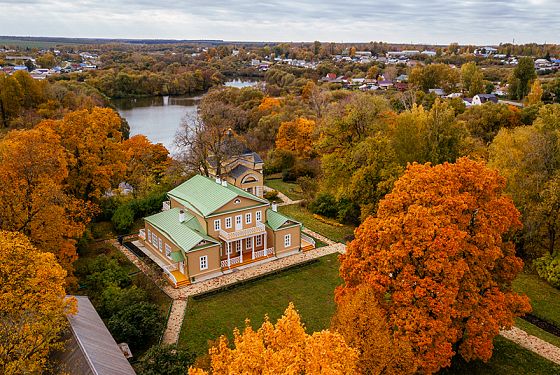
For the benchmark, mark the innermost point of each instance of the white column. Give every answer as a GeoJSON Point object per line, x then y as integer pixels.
{"type": "Point", "coordinates": [228, 250]}
{"type": "Point", "coordinates": [253, 247]}
{"type": "Point", "coordinates": [264, 237]}
{"type": "Point", "coordinates": [241, 251]}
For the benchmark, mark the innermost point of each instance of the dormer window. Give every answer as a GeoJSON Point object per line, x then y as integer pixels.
{"type": "Point", "coordinates": [237, 201]}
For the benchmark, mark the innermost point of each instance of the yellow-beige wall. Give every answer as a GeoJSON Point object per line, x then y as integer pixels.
{"type": "Point", "coordinates": [295, 231]}
{"type": "Point", "coordinates": [213, 254]}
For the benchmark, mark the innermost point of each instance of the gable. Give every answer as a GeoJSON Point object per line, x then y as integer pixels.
{"type": "Point", "coordinates": [242, 202]}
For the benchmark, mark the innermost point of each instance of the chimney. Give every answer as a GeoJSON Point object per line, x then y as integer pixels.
{"type": "Point", "coordinates": [224, 183]}
{"type": "Point", "coordinates": [274, 207]}
{"type": "Point", "coordinates": [218, 181]}
{"type": "Point", "coordinates": [181, 216]}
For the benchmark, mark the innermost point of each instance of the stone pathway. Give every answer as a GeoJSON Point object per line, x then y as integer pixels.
{"type": "Point", "coordinates": [175, 321]}
{"type": "Point", "coordinates": [532, 343]}
{"type": "Point", "coordinates": [285, 199]}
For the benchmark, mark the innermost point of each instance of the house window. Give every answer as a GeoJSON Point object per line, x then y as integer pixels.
{"type": "Point", "coordinates": [154, 240]}
{"type": "Point", "coordinates": [228, 250]}
{"type": "Point", "coordinates": [217, 225]}
{"type": "Point", "coordinates": [259, 240]}
{"type": "Point", "coordinates": [287, 240]}
{"type": "Point", "coordinates": [204, 262]}
{"type": "Point", "coordinates": [238, 246]}
{"type": "Point", "coordinates": [168, 251]}
{"type": "Point", "coordinates": [258, 216]}
{"type": "Point", "coordinates": [248, 243]}
{"type": "Point", "coordinates": [228, 222]}
{"type": "Point", "coordinates": [160, 244]}
{"type": "Point", "coordinates": [248, 218]}
{"type": "Point", "coordinates": [237, 201]}
{"type": "Point", "coordinates": [149, 235]}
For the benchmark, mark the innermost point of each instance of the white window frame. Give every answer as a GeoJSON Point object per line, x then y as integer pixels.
{"type": "Point", "coordinates": [258, 216]}
{"type": "Point", "coordinates": [239, 222]}
{"type": "Point", "coordinates": [248, 243]}
{"type": "Point", "coordinates": [154, 240]}
{"type": "Point", "coordinates": [167, 251]}
{"type": "Point", "coordinates": [149, 236]}
{"type": "Point", "coordinates": [160, 244]}
{"type": "Point", "coordinates": [248, 218]}
{"type": "Point", "coordinates": [229, 248]}
{"type": "Point", "coordinates": [217, 225]}
{"type": "Point", "coordinates": [258, 241]}
{"type": "Point", "coordinates": [203, 262]}
{"type": "Point", "coordinates": [228, 222]}
{"type": "Point", "coordinates": [287, 240]}
{"type": "Point", "coordinates": [238, 247]}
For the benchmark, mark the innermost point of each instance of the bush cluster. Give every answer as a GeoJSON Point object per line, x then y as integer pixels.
{"type": "Point", "coordinates": [548, 267]}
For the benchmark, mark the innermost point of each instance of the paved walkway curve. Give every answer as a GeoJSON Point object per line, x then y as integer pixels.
{"type": "Point", "coordinates": [533, 343]}
{"type": "Point", "coordinates": [285, 199]}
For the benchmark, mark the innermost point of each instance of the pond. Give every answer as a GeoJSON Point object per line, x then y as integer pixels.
{"type": "Point", "coordinates": [159, 117]}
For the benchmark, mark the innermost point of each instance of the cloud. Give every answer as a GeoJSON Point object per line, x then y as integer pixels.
{"type": "Point", "coordinates": [435, 21]}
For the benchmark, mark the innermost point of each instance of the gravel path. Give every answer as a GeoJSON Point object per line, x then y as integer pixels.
{"type": "Point", "coordinates": [285, 199]}
{"type": "Point", "coordinates": [534, 344]}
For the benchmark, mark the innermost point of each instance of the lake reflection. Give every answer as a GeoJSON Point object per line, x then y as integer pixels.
{"type": "Point", "coordinates": [159, 117]}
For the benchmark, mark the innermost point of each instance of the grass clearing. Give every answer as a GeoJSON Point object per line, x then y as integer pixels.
{"type": "Point", "coordinates": [508, 358]}
{"type": "Point", "coordinates": [290, 189]}
{"type": "Point", "coordinates": [545, 299]}
{"type": "Point", "coordinates": [304, 216]}
{"type": "Point", "coordinates": [310, 288]}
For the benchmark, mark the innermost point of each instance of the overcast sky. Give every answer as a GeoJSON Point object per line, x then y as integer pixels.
{"type": "Point", "coordinates": [418, 21]}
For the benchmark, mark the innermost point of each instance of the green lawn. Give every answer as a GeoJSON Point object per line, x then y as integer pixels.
{"type": "Point", "coordinates": [290, 189]}
{"type": "Point", "coordinates": [508, 359]}
{"type": "Point", "coordinates": [305, 217]}
{"type": "Point", "coordinates": [309, 287]}
{"type": "Point", "coordinates": [545, 299]}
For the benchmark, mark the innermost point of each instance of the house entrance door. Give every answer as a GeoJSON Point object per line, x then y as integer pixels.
{"type": "Point", "coordinates": [182, 267]}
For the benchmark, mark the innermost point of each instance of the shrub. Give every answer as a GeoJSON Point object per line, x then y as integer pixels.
{"type": "Point", "coordinates": [103, 271]}
{"type": "Point", "coordinates": [165, 360]}
{"type": "Point", "coordinates": [114, 298]}
{"type": "Point", "coordinates": [548, 267]}
{"type": "Point", "coordinates": [138, 324]}
{"type": "Point", "coordinates": [348, 212]}
{"type": "Point", "coordinates": [279, 160]}
{"type": "Point", "coordinates": [123, 219]}
{"type": "Point", "coordinates": [271, 195]}
{"type": "Point", "coordinates": [325, 205]}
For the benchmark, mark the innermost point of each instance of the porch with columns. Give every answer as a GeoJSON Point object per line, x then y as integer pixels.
{"type": "Point", "coordinates": [243, 251]}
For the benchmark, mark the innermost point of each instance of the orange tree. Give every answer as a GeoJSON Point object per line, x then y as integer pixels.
{"type": "Point", "coordinates": [439, 261]}
{"type": "Point", "coordinates": [282, 348]}
{"type": "Point", "coordinates": [33, 305]}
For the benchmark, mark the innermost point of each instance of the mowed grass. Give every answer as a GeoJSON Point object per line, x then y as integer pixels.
{"type": "Point", "coordinates": [310, 288]}
{"type": "Point", "coordinates": [290, 189]}
{"type": "Point", "coordinates": [508, 359]}
{"type": "Point", "coordinates": [545, 299]}
{"type": "Point", "coordinates": [304, 216]}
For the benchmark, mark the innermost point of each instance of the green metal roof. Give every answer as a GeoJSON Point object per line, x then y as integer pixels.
{"type": "Point", "coordinates": [186, 235]}
{"type": "Point", "coordinates": [177, 256]}
{"type": "Point", "coordinates": [275, 219]}
{"type": "Point", "coordinates": [206, 196]}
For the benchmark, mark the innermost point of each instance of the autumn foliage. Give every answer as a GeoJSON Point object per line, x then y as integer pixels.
{"type": "Point", "coordinates": [295, 136]}
{"type": "Point", "coordinates": [439, 261]}
{"type": "Point", "coordinates": [282, 348]}
{"type": "Point", "coordinates": [33, 305]}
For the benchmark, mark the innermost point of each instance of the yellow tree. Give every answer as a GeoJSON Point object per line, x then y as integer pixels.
{"type": "Point", "coordinates": [536, 93]}
{"type": "Point", "coordinates": [282, 348]}
{"type": "Point", "coordinates": [361, 322]}
{"type": "Point", "coordinates": [146, 162]}
{"type": "Point", "coordinates": [295, 136]}
{"type": "Point", "coordinates": [33, 305]}
{"type": "Point", "coordinates": [32, 170]}
{"type": "Point", "coordinates": [92, 140]}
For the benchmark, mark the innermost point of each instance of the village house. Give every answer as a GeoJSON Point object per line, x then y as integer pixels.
{"type": "Point", "coordinates": [244, 171]}
{"type": "Point", "coordinates": [210, 227]}
{"type": "Point", "coordinates": [483, 98]}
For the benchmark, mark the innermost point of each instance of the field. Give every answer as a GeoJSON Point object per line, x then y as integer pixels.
{"type": "Point", "coordinates": [290, 189]}
{"type": "Point", "coordinates": [333, 232]}
{"type": "Point", "coordinates": [311, 289]}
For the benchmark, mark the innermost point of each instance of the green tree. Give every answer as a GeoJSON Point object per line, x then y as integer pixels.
{"type": "Point", "coordinates": [139, 324]}
{"type": "Point", "coordinates": [472, 79]}
{"type": "Point", "coordinates": [165, 360]}
{"type": "Point", "coordinates": [520, 78]}
{"type": "Point", "coordinates": [11, 98]}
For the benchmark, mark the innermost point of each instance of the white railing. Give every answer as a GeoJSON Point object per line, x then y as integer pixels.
{"type": "Point", "coordinates": [142, 234]}
{"type": "Point", "coordinates": [166, 206]}
{"type": "Point", "coordinates": [232, 261]}
{"type": "Point", "coordinates": [308, 239]}
{"type": "Point", "coordinates": [259, 228]}
{"type": "Point", "coordinates": [168, 269]}
{"type": "Point", "coordinates": [263, 253]}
